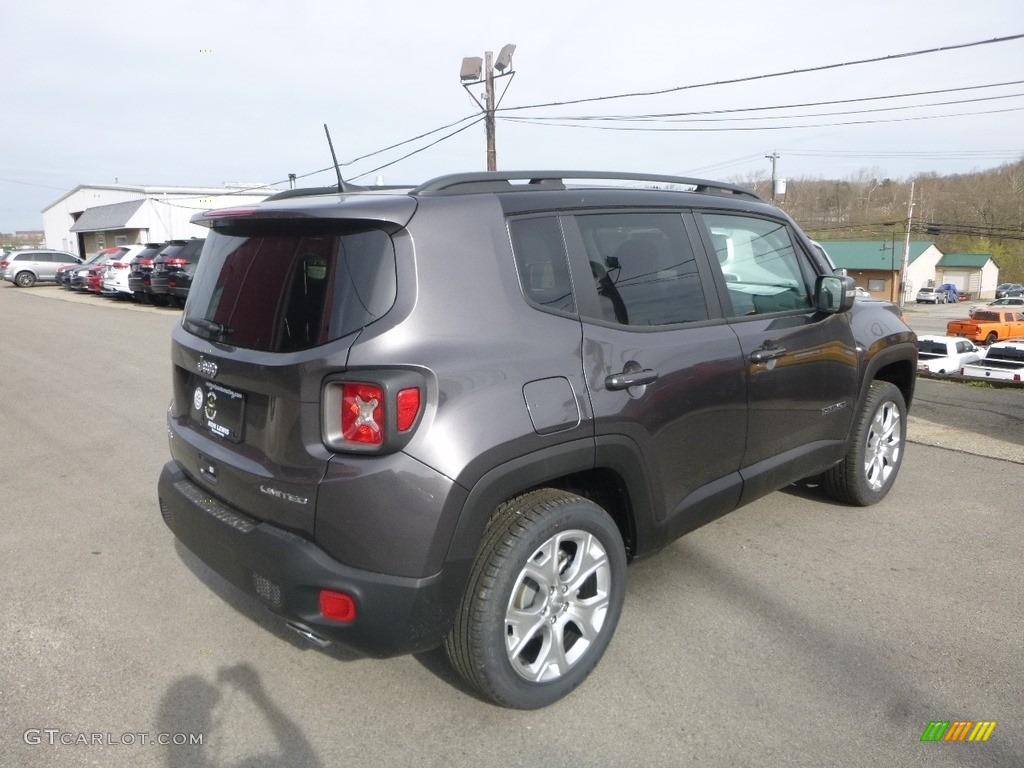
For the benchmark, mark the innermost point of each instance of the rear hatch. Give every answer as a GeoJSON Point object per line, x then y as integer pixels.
{"type": "Point", "coordinates": [274, 308]}
{"type": "Point", "coordinates": [142, 262]}
{"type": "Point", "coordinates": [158, 274]}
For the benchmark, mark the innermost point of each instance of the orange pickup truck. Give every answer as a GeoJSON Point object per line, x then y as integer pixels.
{"type": "Point", "coordinates": [988, 326]}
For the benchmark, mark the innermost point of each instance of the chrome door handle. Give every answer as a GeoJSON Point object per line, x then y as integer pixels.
{"type": "Point", "coordinates": [764, 355]}
{"type": "Point", "coordinates": [626, 380]}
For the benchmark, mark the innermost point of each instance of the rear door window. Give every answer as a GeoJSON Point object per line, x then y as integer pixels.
{"type": "Point", "coordinates": [291, 292]}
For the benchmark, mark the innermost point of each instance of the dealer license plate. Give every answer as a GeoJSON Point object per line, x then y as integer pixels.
{"type": "Point", "coordinates": [219, 409]}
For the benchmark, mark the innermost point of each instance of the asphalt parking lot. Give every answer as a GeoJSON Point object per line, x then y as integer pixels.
{"type": "Point", "coordinates": [793, 632]}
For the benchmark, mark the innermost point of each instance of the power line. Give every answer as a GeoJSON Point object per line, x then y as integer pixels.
{"type": "Point", "coordinates": [921, 154]}
{"type": "Point", "coordinates": [648, 119]}
{"type": "Point", "coordinates": [354, 160]}
{"type": "Point", "coordinates": [753, 78]}
{"type": "Point", "coordinates": [421, 149]}
{"type": "Point", "coordinates": [409, 141]}
{"type": "Point", "coordinates": [527, 121]}
{"type": "Point", "coordinates": [30, 184]}
{"type": "Point", "coordinates": [698, 113]}
{"type": "Point", "coordinates": [719, 165]}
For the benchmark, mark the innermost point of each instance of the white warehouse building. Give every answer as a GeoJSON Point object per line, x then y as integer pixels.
{"type": "Point", "coordinates": [95, 216]}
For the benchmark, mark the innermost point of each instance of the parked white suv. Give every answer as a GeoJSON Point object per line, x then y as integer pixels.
{"type": "Point", "coordinates": [115, 279]}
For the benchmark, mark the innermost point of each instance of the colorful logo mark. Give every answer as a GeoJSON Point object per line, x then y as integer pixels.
{"type": "Point", "coordinates": [958, 730]}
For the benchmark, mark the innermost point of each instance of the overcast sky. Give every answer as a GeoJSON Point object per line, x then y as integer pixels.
{"type": "Point", "coordinates": [202, 93]}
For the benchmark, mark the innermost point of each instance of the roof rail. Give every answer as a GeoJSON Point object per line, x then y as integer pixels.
{"type": "Point", "coordinates": [500, 181]}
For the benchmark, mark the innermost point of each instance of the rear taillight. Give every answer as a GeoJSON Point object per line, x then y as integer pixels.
{"type": "Point", "coordinates": [3, 264]}
{"type": "Point", "coordinates": [372, 416]}
{"type": "Point", "coordinates": [119, 265]}
{"type": "Point", "coordinates": [408, 408]}
{"type": "Point", "coordinates": [175, 262]}
{"type": "Point", "coordinates": [362, 413]}
{"type": "Point", "coordinates": [145, 262]}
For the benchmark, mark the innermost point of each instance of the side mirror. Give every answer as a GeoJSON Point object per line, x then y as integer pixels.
{"type": "Point", "coordinates": [834, 293]}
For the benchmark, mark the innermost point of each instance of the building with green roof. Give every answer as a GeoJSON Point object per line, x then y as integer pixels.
{"type": "Point", "coordinates": [975, 274]}
{"type": "Point", "coordinates": [875, 265]}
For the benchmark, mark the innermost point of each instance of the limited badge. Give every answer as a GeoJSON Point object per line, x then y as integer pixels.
{"type": "Point", "coordinates": [197, 399]}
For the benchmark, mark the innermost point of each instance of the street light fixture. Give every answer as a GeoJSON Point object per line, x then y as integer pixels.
{"type": "Point", "coordinates": [470, 75]}
{"type": "Point", "coordinates": [471, 68]}
{"type": "Point", "coordinates": [504, 60]}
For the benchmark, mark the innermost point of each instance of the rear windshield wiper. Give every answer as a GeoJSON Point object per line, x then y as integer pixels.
{"type": "Point", "coordinates": [209, 325]}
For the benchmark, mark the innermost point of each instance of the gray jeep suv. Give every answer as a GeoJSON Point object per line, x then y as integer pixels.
{"type": "Point", "coordinates": [452, 414]}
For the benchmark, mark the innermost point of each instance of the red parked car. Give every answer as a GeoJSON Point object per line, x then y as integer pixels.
{"type": "Point", "coordinates": [66, 273]}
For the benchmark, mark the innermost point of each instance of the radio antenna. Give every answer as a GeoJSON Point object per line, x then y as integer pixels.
{"type": "Point", "coordinates": [342, 186]}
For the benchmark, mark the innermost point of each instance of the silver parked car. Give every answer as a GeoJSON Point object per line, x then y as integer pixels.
{"type": "Point", "coordinates": [1008, 301]}
{"type": "Point", "coordinates": [34, 265]}
{"type": "Point", "coordinates": [931, 295]}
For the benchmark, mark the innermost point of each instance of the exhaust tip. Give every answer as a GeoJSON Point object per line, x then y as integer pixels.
{"type": "Point", "coordinates": [318, 640]}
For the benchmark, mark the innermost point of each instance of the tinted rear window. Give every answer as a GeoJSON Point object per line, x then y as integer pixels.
{"type": "Point", "coordinates": [289, 292]}
{"type": "Point", "coordinates": [931, 347]}
{"type": "Point", "coordinates": [192, 250]}
{"type": "Point", "coordinates": [148, 252]}
{"type": "Point", "coordinates": [171, 249]}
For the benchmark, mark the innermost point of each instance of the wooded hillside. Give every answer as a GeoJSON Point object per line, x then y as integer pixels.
{"type": "Point", "coordinates": [980, 212]}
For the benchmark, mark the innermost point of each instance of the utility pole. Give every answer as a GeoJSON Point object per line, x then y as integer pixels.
{"type": "Point", "coordinates": [492, 154]}
{"type": "Point", "coordinates": [773, 157]}
{"type": "Point", "coordinates": [906, 247]}
{"type": "Point", "coordinates": [471, 75]}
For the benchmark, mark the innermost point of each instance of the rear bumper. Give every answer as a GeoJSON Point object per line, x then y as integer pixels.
{"type": "Point", "coordinates": [286, 572]}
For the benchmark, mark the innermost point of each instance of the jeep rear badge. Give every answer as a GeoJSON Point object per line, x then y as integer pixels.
{"type": "Point", "coordinates": [207, 368]}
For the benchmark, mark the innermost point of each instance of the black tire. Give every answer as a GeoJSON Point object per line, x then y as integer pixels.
{"type": "Point", "coordinates": [540, 607]}
{"type": "Point", "coordinates": [24, 279]}
{"type": "Point", "coordinates": [992, 337]}
{"type": "Point", "coordinates": [875, 450]}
